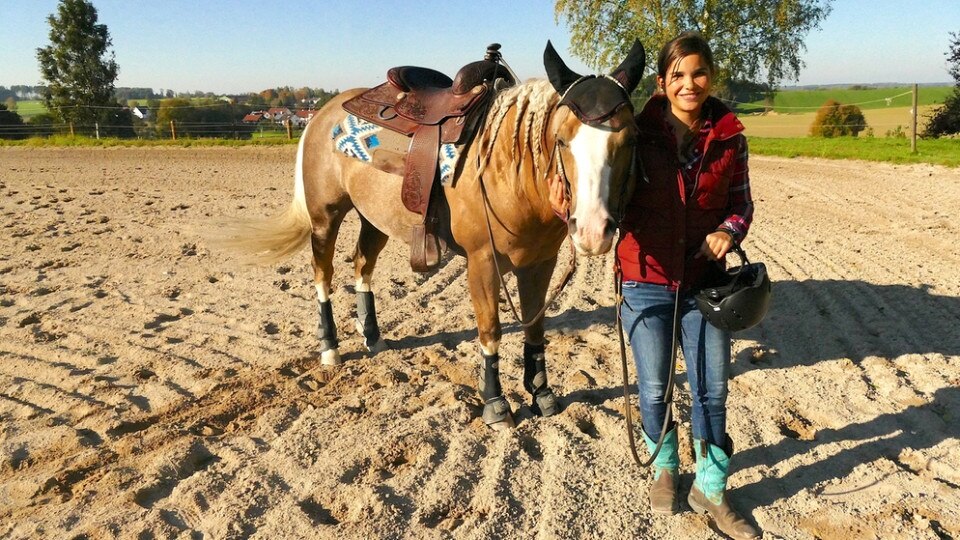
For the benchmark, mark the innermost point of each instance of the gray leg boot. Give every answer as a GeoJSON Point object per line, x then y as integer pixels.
{"type": "Point", "coordinates": [708, 494]}
{"type": "Point", "coordinates": [367, 323]}
{"type": "Point", "coordinates": [496, 408]}
{"type": "Point", "coordinates": [327, 334]}
{"type": "Point", "coordinates": [535, 381]}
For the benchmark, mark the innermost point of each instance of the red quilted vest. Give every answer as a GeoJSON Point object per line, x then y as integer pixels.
{"type": "Point", "coordinates": [662, 228]}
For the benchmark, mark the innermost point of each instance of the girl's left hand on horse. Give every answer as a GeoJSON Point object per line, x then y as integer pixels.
{"type": "Point", "coordinates": [558, 197]}
{"type": "Point", "coordinates": [716, 245]}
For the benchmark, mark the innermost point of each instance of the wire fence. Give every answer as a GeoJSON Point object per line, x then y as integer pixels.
{"type": "Point", "coordinates": [787, 123]}
{"type": "Point", "coordinates": [173, 130]}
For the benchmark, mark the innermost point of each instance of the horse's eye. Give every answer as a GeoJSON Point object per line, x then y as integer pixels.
{"type": "Point", "coordinates": [561, 143]}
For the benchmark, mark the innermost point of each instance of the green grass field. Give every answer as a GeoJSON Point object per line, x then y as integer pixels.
{"type": "Point", "coordinates": [889, 149]}
{"type": "Point", "coordinates": [30, 108]}
{"type": "Point", "coordinates": [803, 101]}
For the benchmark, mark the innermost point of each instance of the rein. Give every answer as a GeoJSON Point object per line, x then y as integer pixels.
{"type": "Point", "coordinates": [566, 277]}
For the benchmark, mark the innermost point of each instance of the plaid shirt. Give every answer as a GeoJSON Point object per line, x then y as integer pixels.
{"type": "Point", "coordinates": [740, 203]}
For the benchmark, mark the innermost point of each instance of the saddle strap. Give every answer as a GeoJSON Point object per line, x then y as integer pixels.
{"type": "Point", "coordinates": [420, 169]}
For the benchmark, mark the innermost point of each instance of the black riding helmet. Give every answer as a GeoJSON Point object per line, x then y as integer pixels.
{"type": "Point", "coordinates": [741, 297]}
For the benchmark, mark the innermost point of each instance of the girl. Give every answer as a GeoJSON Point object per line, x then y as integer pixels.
{"type": "Point", "coordinates": [679, 225]}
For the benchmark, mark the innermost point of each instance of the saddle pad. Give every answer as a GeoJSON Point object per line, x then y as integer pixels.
{"type": "Point", "coordinates": [384, 149]}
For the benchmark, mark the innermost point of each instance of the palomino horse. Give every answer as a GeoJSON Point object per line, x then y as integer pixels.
{"type": "Point", "coordinates": [579, 127]}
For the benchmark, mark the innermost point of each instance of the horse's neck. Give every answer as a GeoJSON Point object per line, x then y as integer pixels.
{"type": "Point", "coordinates": [526, 178]}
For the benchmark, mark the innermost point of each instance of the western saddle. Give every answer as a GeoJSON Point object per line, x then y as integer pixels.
{"type": "Point", "coordinates": [431, 109]}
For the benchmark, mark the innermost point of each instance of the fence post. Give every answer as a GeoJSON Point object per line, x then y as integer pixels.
{"type": "Point", "coordinates": [289, 129]}
{"type": "Point", "coordinates": [71, 129]}
{"type": "Point", "coordinates": [96, 129]}
{"type": "Point", "coordinates": [913, 137]}
{"type": "Point", "coordinates": [173, 130]}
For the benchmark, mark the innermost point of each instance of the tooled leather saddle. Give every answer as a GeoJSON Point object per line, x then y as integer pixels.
{"type": "Point", "coordinates": [431, 109]}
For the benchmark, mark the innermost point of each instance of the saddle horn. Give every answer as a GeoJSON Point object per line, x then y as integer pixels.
{"type": "Point", "coordinates": [561, 77]}
{"type": "Point", "coordinates": [630, 71]}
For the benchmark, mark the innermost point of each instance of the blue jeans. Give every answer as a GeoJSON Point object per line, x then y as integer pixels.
{"type": "Point", "coordinates": [647, 313]}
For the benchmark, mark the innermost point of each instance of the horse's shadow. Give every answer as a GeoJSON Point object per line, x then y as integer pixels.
{"type": "Point", "coordinates": [570, 320]}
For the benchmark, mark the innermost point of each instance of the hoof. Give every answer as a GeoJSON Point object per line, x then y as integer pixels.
{"type": "Point", "coordinates": [497, 414]}
{"type": "Point", "coordinates": [545, 404]}
{"type": "Point", "coordinates": [330, 357]}
{"type": "Point", "coordinates": [377, 347]}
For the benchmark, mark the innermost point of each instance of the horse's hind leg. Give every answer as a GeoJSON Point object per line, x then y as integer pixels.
{"type": "Point", "coordinates": [323, 238]}
{"type": "Point", "coordinates": [533, 282]}
{"type": "Point", "coordinates": [369, 244]}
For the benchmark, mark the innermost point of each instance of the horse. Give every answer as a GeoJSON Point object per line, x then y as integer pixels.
{"type": "Point", "coordinates": [497, 214]}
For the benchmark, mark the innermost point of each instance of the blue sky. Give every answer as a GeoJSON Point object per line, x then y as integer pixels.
{"type": "Point", "coordinates": [240, 45]}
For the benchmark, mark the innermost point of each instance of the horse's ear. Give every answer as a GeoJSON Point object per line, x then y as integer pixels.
{"type": "Point", "coordinates": [561, 77]}
{"type": "Point", "coordinates": [630, 71]}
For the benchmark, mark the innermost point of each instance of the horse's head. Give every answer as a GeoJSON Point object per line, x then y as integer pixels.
{"type": "Point", "coordinates": [595, 136]}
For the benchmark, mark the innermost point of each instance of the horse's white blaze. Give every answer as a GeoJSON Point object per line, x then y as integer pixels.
{"type": "Point", "coordinates": [589, 147]}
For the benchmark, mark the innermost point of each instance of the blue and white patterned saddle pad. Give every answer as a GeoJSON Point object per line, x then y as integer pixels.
{"type": "Point", "coordinates": [363, 140]}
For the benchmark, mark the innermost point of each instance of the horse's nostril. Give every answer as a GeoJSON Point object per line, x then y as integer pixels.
{"type": "Point", "coordinates": [610, 228]}
{"type": "Point", "coordinates": [572, 225]}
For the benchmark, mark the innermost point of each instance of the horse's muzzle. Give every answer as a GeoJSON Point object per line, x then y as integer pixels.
{"type": "Point", "coordinates": [595, 240]}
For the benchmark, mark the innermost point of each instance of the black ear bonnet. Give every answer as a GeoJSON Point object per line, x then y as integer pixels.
{"type": "Point", "coordinates": [595, 99]}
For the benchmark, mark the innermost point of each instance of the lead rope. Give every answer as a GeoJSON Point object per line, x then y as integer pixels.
{"type": "Point", "coordinates": [563, 282]}
{"type": "Point", "coordinates": [668, 397]}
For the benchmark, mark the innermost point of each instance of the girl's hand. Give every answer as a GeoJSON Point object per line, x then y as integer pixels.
{"type": "Point", "coordinates": [716, 245]}
{"type": "Point", "coordinates": [558, 196]}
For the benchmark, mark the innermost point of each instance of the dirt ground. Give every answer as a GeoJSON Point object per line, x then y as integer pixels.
{"type": "Point", "coordinates": [152, 388]}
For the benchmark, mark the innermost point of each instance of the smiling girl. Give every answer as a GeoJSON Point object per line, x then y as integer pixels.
{"type": "Point", "coordinates": [687, 211]}
{"type": "Point", "coordinates": [683, 218]}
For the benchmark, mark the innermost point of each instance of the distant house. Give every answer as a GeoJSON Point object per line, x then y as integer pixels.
{"type": "Point", "coordinates": [302, 116]}
{"type": "Point", "coordinates": [278, 114]}
{"type": "Point", "coordinates": [253, 117]}
{"type": "Point", "coordinates": [142, 113]}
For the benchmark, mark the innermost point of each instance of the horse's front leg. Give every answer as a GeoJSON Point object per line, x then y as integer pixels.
{"type": "Point", "coordinates": [533, 282]}
{"type": "Point", "coordinates": [485, 292]}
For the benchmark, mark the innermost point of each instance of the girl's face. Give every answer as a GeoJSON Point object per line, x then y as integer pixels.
{"type": "Point", "coordinates": [687, 85]}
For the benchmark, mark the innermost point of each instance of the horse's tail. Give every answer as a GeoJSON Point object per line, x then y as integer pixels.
{"type": "Point", "coordinates": [273, 239]}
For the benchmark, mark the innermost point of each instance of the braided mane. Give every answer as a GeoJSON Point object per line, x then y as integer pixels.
{"type": "Point", "coordinates": [533, 100]}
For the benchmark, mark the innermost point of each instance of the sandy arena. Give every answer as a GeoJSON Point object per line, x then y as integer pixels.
{"type": "Point", "coordinates": [152, 388]}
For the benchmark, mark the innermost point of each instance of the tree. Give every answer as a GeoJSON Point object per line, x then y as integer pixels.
{"type": "Point", "coordinates": [752, 40]}
{"type": "Point", "coordinates": [79, 71]}
{"type": "Point", "coordinates": [836, 120]}
{"type": "Point", "coordinates": [203, 117]}
{"type": "Point", "coordinates": [11, 124]}
{"type": "Point", "coordinates": [946, 120]}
